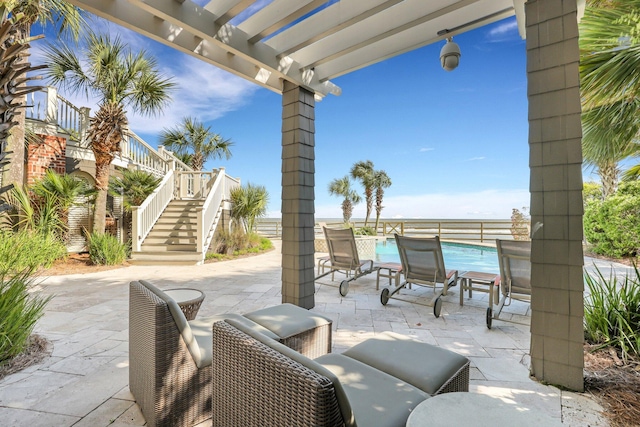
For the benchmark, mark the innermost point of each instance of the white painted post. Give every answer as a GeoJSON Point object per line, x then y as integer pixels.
{"type": "Point", "coordinates": [84, 124]}
{"type": "Point", "coordinates": [135, 235]}
{"type": "Point", "coordinates": [51, 112]}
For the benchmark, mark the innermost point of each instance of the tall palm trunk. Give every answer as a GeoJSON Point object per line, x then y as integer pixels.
{"type": "Point", "coordinates": [106, 131]}
{"type": "Point", "coordinates": [13, 90]}
{"type": "Point", "coordinates": [609, 173]}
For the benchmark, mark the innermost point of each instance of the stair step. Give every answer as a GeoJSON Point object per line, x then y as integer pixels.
{"type": "Point", "coordinates": [166, 258]}
{"type": "Point", "coordinates": [167, 240]}
{"type": "Point", "coordinates": [181, 234]}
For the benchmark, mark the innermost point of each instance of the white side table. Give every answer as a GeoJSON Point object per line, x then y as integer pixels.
{"type": "Point", "coordinates": [189, 300]}
{"type": "Point", "coordinates": [476, 410]}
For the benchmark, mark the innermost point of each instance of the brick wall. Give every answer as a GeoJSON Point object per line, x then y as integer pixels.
{"type": "Point", "coordinates": [50, 153]}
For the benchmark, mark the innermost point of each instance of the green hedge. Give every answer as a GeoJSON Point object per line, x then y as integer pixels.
{"type": "Point", "coordinates": [612, 226]}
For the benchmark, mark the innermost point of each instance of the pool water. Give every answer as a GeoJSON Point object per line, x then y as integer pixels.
{"type": "Point", "coordinates": [457, 256]}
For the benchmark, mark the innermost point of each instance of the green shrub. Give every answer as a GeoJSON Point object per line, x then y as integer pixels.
{"type": "Point", "coordinates": [612, 312]}
{"type": "Point", "coordinates": [28, 250]}
{"type": "Point", "coordinates": [612, 226]}
{"type": "Point", "coordinates": [237, 242]}
{"type": "Point", "coordinates": [20, 309]}
{"type": "Point", "coordinates": [105, 249]}
{"type": "Point", "coordinates": [365, 231]}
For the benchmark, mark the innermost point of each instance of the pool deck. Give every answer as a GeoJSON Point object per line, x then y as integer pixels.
{"type": "Point", "coordinates": [85, 381]}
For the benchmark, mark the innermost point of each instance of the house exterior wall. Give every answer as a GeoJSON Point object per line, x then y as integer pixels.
{"type": "Point", "coordinates": [298, 180]}
{"type": "Point", "coordinates": [555, 134]}
{"type": "Point", "coordinates": [48, 154]}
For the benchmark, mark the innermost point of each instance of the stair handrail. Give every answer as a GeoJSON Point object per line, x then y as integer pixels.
{"type": "Point", "coordinates": [217, 194]}
{"type": "Point", "coordinates": [146, 215]}
{"type": "Point", "coordinates": [158, 163]}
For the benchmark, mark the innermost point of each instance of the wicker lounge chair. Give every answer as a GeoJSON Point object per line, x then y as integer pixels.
{"type": "Point", "coordinates": [343, 257]}
{"type": "Point", "coordinates": [170, 357]}
{"type": "Point", "coordinates": [514, 258]}
{"type": "Point", "coordinates": [260, 382]}
{"type": "Point", "coordinates": [422, 264]}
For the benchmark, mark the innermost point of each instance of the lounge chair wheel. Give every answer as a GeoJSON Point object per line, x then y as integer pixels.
{"type": "Point", "coordinates": [344, 288]}
{"type": "Point", "coordinates": [489, 317]}
{"type": "Point", "coordinates": [384, 296]}
{"type": "Point", "coordinates": [437, 307]}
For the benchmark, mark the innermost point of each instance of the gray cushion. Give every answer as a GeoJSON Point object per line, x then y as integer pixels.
{"type": "Point", "coordinates": [423, 365]}
{"type": "Point", "coordinates": [345, 407]}
{"type": "Point", "coordinates": [377, 399]}
{"type": "Point", "coordinates": [287, 320]}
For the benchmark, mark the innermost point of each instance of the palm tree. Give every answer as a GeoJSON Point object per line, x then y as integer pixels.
{"type": "Point", "coordinates": [134, 187]}
{"type": "Point", "coordinates": [610, 85]}
{"type": "Point", "coordinates": [342, 187]}
{"type": "Point", "coordinates": [192, 138]}
{"type": "Point", "coordinates": [248, 204]}
{"type": "Point", "coordinates": [381, 181]}
{"type": "Point", "coordinates": [119, 78]}
{"type": "Point", "coordinates": [363, 171]}
{"type": "Point", "coordinates": [20, 15]}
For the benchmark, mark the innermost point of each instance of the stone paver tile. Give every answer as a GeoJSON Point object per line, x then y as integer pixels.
{"type": "Point", "coordinates": [530, 395]}
{"type": "Point", "coordinates": [504, 369]}
{"type": "Point", "coordinates": [105, 414]}
{"type": "Point", "coordinates": [465, 347]}
{"type": "Point", "coordinates": [12, 417]}
{"type": "Point", "coordinates": [79, 341]}
{"type": "Point", "coordinates": [475, 374]}
{"type": "Point", "coordinates": [83, 396]}
{"type": "Point", "coordinates": [582, 409]}
{"type": "Point", "coordinates": [79, 365]}
{"type": "Point", "coordinates": [124, 394]}
{"type": "Point", "coordinates": [492, 338]}
{"type": "Point", "coordinates": [27, 392]}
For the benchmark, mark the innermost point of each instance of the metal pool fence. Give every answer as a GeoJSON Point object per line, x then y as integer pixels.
{"type": "Point", "coordinates": [478, 231]}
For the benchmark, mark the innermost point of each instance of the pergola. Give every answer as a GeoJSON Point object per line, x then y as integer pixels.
{"type": "Point", "coordinates": [295, 47]}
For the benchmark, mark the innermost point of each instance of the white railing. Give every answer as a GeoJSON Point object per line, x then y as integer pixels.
{"type": "Point", "coordinates": [146, 215]}
{"type": "Point", "coordinates": [193, 184]}
{"type": "Point", "coordinates": [47, 106]}
{"type": "Point", "coordinates": [218, 193]}
{"type": "Point", "coordinates": [143, 155]}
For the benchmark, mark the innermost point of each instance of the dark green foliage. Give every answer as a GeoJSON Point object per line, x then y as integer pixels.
{"type": "Point", "coordinates": [20, 309]}
{"type": "Point", "coordinates": [105, 249]}
{"type": "Point", "coordinates": [612, 226]}
{"type": "Point", "coordinates": [612, 312]}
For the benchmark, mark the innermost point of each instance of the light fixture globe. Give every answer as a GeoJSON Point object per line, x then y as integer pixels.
{"type": "Point", "coordinates": [450, 55]}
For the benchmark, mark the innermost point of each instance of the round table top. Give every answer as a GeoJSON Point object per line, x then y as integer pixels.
{"type": "Point", "coordinates": [476, 410]}
{"type": "Point", "coordinates": [184, 294]}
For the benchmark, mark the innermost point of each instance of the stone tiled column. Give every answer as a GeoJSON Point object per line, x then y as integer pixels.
{"type": "Point", "coordinates": [298, 156]}
{"type": "Point", "coordinates": [555, 134]}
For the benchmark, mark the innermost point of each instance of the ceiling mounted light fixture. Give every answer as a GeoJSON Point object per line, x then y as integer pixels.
{"type": "Point", "coordinates": [450, 55]}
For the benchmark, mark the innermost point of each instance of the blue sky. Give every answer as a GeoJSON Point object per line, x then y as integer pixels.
{"type": "Point", "coordinates": [453, 143]}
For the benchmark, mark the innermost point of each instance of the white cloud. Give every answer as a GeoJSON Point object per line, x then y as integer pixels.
{"type": "Point", "coordinates": [425, 149]}
{"type": "Point", "coordinates": [473, 159]}
{"type": "Point", "coordinates": [488, 204]}
{"type": "Point", "coordinates": [504, 29]}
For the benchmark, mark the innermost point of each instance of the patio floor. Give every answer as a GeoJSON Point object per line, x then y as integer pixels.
{"type": "Point", "coordinates": [85, 381]}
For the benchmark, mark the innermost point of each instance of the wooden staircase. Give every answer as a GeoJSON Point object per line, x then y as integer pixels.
{"type": "Point", "coordinates": [173, 238]}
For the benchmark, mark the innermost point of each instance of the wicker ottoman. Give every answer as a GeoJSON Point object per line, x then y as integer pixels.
{"type": "Point", "coordinates": [306, 332]}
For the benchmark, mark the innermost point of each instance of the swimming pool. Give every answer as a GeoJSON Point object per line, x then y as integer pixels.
{"type": "Point", "coordinates": [457, 256]}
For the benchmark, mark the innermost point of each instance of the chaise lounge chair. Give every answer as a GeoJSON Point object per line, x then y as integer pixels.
{"type": "Point", "coordinates": [422, 264]}
{"type": "Point", "coordinates": [343, 257]}
{"type": "Point", "coordinates": [514, 258]}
